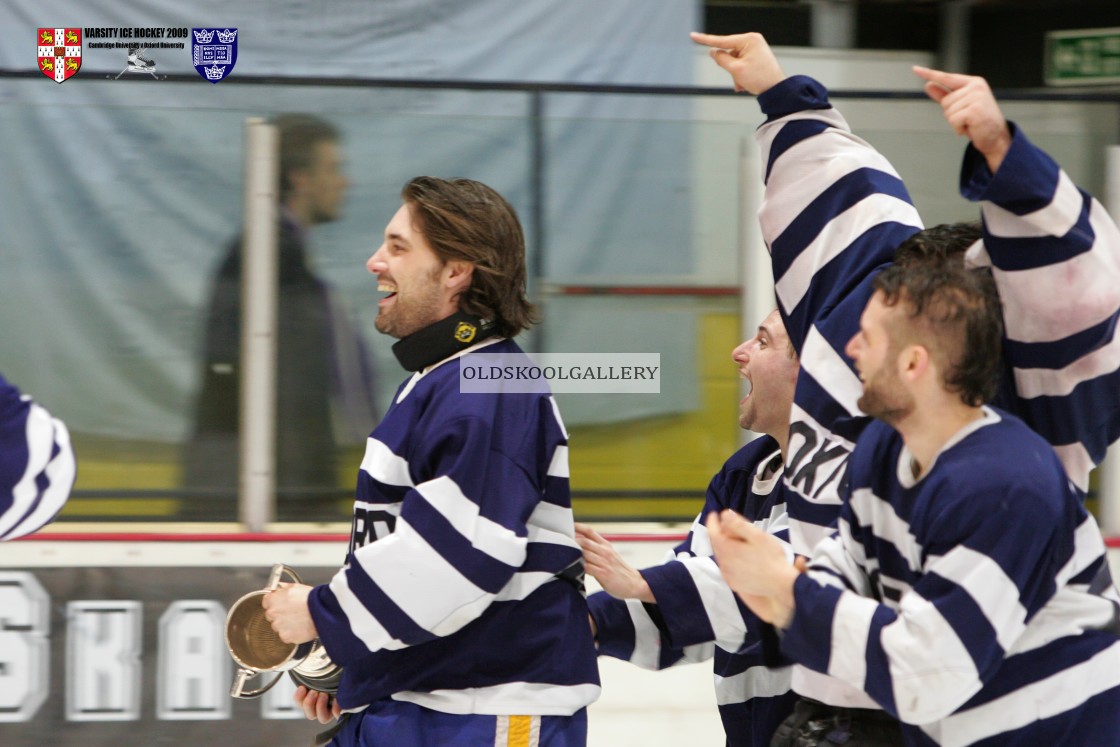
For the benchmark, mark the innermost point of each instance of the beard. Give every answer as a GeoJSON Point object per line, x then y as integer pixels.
{"type": "Point", "coordinates": [884, 398]}
{"type": "Point", "coordinates": [410, 313]}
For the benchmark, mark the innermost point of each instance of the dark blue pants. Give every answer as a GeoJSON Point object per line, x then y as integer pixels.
{"type": "Point", "coordinates": [398, 724]}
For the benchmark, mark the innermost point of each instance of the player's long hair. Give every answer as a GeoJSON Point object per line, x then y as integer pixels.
{"type": "Point", "coordinates": [468, 221]}
{"type": "Point", "coordinates": [955, 310]}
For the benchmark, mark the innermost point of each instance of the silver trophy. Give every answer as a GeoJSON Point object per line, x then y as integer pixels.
{"type": "Point", "coordinates": [257, 649]}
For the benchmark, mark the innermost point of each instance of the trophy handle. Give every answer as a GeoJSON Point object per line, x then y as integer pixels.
{"type": "Point", "coordinates": [243, 676]}
{"type": "Point", "coordinates": [279, 570]}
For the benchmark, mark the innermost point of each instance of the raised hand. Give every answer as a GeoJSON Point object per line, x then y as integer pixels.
{"type": "Point", "coordinates": [748, 58]}
{"type": "Point", "coordinates": [617, 577]}
{"type": "Point", "coordinates": [971, 108]}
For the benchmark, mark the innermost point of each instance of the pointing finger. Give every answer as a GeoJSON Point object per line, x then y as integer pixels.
{"type": "Point", "coordinates": [948, 81]}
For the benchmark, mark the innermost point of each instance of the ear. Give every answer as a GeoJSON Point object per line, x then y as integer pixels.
{"type": "Point", "coordinates": [913, 362]}
{"type": "Point", "coordinates": [457, 276]}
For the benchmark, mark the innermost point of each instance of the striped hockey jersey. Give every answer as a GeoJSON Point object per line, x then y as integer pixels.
{"type": "Point", "coordinates": [37, 467]}
{"type": "Point", "coordinates": [975, 603]}
{"type": "Point", "coordinates": [452, 596]}
{"type": "Point", "coordinates": [833, 213]}
{"type": "Point", "coordinates": [698, 617]}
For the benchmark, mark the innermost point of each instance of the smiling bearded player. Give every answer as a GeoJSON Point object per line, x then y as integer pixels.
{"type": "Point", "coordinates": [459, 616]}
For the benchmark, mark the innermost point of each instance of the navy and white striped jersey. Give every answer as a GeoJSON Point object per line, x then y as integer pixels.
{"type": "Point", "coordinates": [973, 603]}
{"type": "Point", "coordinates": [833, 214]}
{"type": "Point", "coordinates": [37, 467]}
{"type": "Point", "coordinates": [697, 616]}
{"type": "Point", "coordinates": [451, 596]}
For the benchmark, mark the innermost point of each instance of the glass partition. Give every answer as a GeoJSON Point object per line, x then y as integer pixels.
{"type": "Point", "coordinates": [122, 202]}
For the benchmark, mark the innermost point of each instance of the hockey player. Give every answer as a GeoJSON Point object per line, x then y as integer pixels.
{"type": "Point", "coordinates": [683, 610]}
{"type": "Point", "coordinates": [37, 467]}
{"type": "Point", "coordinates": [967, 588]}
{"type": "Point", "coordinates": [833, 213]}
{"type": "Point", "coordinates": [459, 616]}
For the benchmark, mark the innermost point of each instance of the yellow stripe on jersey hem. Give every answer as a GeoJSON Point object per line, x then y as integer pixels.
{"type": "Point", "coordinates": [517, 731]}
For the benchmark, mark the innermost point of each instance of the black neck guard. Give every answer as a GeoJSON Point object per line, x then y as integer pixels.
{"type": "Point", "coordinates": [442, 340]}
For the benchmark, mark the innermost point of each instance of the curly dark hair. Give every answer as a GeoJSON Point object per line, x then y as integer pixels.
{"type": "Point", "coordinates": [946, 241]}
{"type": "Point", "coordinates": [467, 220]}
{"type": "Point", "coordinates": [957, 310]}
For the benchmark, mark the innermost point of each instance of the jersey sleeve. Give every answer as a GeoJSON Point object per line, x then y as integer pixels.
{"type": "Point", "coordinates": [833, 213]}
{"type": "Point", "coordinates": [925, 657]}
{"type": "Point", "coordinates": [457, 544]}
{"type": "Point", "coordinates": [695, 607]}
{"type": "Point", "coordinates": [1055, 257]}
{"type": "Point", "coordinates": [37, 465]}
{"type": "Point", "coordinates": [834, 209]}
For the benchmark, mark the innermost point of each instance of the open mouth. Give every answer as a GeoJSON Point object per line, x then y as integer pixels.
{"type": "Point", "coordinates": [387, 288]}
{"type": "Point", "coordinates": [750, 387]}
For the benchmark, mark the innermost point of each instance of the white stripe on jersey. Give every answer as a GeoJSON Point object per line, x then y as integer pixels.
{"type": "Point", "coordinates": [448, 601]}
{"type": "Point", "coordinates": [846, 560]}
{"type": "Point", "coordinates": [1078, 463]}
{"type": "Point", "coordinates": [1054, 301]}
{"type": "Point", "coordinates": [701, 544]}
{"type": "Point", "coordinates": [363, 625]}
{"type": "Point", "coordinates": [845, 153]}
{"type": "Point", "coordinates": [42, 433]}
{"type": "Point", "coordinates": [486, 535]}
{"type": "Point", "coordinates": [558, 467]}
{"type": "Point", "coordinates": [851, 625]}
{"type": "Point", "coordinates": [647, 638]}
{"type": "Point", "coordinates": [991, 589]}
{"type": "Point", "coordinates": [559, 419]}
{"type": "Point", "coordinates": [60, 474]}
{"type": "Point", "coordinates": [1052, 696]}
{"type": "Point", "coordinates": [1087, 548]}
{"type": "Point", "coordinates": [830, 690]}
{"type": "Point", "coordinates": [1058, 382]}
{"type": "Point", "coordinates": [842, 230]}
{"type": "Point", "coordinates": [829, 369]}
{"type": "Point", "coordinates": [872, 510]}
{"type": "Point", "coordinates": [508, 699]}
{"type": "Point", "coordinates": [1069, 612]}
{"type": "Point", "coordinates": [523, 584]}
{"type": "Point", "coordinates": [756, 682]}
{"type": "Point", "coordinates": [718, 602]}
{"type": "Point", "coordinates": [553, 524]}
{"type": "Point", "coordinates": [383, 465]}
{"type": "Point", "coordinates": [1056, 219]}
{"type": "Point", "coordinates": [932, 673]}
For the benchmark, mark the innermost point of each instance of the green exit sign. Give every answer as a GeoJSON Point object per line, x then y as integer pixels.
{"type": "Point", "coordinates": [1082, 56]}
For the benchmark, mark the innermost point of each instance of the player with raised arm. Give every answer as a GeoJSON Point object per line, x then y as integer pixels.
{"type": "Point", "coordinates": [833, 213]}
{"type": "Point", "coordinates": [967, 588]}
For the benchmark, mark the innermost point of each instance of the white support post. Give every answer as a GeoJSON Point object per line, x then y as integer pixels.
{"type": "Point", "coordinates": [833, 24]}
{"type": "Point", "coordinates": [259, 288]}
{"type": "Point", "coordinates": [1108, 473]}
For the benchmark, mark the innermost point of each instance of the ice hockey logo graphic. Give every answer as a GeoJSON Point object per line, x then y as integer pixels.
{"type": "Point", "coordinates": [60, 52]}
{"type": "Point", "coordinates": [214, 52]}
{"type": "Point", "coordinates": [465, 332]}
{"type": "Point", "coordinates": [138, 62]}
